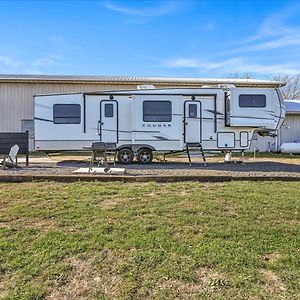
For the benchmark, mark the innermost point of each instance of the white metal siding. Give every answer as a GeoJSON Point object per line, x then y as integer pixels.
{"type": "Point", "coordinates": [263, 144]}
{"type": "Point", "coordinates": [290, 132]}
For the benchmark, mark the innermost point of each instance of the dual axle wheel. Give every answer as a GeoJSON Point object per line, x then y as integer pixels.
{"type": "Point", "coordinates": [126, 156]}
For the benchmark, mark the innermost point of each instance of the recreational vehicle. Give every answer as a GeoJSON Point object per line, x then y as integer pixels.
{"type": "Point", "coordinates": [214, 117]}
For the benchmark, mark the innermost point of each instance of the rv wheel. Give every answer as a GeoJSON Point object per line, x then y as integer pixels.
{"type": "Point", "coordinates": [125, 156]}
{"type": "Point", "coordinates": [145, 156]}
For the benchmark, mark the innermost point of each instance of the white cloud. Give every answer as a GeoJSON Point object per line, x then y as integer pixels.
{"type": "Point", "coordinates": [182, 63]}
{"type": "Point", "coordinates": [163, 8]}
{"type": "Point", "coordinates": [267, 69]}
{"type": "Point", "coordinates": [232, 65]}
{"type": "Point", "coordinates": [49, 60]}
{"type": "Point", "coordinates": [195, 63]}
{"type": "Point", "coordinates": [263, 53]}
{"type": "Point", "coordinates": [284, 41]}
{"type": "Point", "coordinates": [10, 62]}
{"type": "Point", "coordinates": [274, 33]}
{"type": "Point", "coordinates": [284, 37]}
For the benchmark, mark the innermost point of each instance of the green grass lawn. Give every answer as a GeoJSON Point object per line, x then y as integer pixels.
{"type": "Point", "coordinates": [236, 240]}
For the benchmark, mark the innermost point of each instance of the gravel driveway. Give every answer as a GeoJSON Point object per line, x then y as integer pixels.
{"type": "Point", "coordinates": [64, 165]}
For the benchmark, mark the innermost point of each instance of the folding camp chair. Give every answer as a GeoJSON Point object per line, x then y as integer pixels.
{"type": "Point", "coordinates": [11, 160]}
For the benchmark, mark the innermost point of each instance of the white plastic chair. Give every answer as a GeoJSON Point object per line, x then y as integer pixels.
{"type": "Point", "coordinates": [11, 159]}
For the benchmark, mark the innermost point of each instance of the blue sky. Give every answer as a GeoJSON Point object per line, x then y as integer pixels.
{"type": "Point", "coordinates": [150, 38]}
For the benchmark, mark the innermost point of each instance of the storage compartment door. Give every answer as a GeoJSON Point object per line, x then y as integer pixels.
{"type": "Point", "coordinates": [108, 124]}
{"type": "Point", "coordinates": [226, 140]}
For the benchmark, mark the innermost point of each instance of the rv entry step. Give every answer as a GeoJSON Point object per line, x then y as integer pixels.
{"type": "Point", "coordinates": [195, 146]}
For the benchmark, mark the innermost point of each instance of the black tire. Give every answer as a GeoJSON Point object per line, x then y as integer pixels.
{"type": "Point", "coordinates": [125, 156]}
{"type": "Point", "coordinates": [144, 156]}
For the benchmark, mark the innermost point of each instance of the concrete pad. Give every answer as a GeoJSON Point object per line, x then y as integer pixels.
{"type": "Point", "coordinates": [117, 171]}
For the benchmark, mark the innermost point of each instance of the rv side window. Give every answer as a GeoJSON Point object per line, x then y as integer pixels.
{"type": "Point", "coordinates": [66, 114]}
{"type": "Point", "coordinates": [157, 111]}
{"type": "Point", "coordinates": [193, 110]}
{"type": "Point", "coordinates": [108, 110]}
{"type": "Point", "coordinates": [252, 100]}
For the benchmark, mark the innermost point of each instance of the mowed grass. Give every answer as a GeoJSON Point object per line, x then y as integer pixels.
{"type": "Point", "coordinates": [236, 240]}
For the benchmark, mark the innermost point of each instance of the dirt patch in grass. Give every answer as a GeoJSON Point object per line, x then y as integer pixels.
{"type": "Point", "coordinates": [151, 194]}
{"type": "Point", "coordinates": [210, 277]}
{"type": "Point", "coordinates": [183, 193]}
{"type": "Point", "coordinates": [185, 232]}
{"type": "Point", "coordinates": [108, 204]}
{"type": "Point", "coordinates": [272, 283]}
{"type": "Point", "coordinates": [81, 285]}
{"type": "Point", "coordinates": [177, 288]}
{"type": "Point", "coordinates": [108, 279]}
{"type": "Point", "coordinates": [230, 212]}
{"type": "Point", "coordinates": [93, 277]}
{"type": "Point", "coordinates": [271, 257]}
{"type": "Point", "coordinates": [207, 281]}
{"type": "Point", "coordinates": [36, 223]}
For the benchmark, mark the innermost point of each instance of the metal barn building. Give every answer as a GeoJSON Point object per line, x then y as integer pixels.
{"type": "Point", "coordinates": [288, 133]}
{"type": "Point", "coordinates": [17, 91]}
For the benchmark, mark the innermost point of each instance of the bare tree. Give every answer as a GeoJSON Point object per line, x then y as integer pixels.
{"type": "Point", "coordinates": [292, 88]}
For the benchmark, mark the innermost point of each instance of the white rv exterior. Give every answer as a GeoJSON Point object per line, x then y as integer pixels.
{"type": "Point", "coordinates": [142, 121]}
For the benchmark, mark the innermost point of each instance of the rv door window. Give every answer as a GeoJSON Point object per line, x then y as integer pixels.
{"type": "Point", "coordinates": [252, 100]}
{"type": "Point", "coordinates": [66, 114]}
{"type": "Point", "coordinates": [157, 111]}
{"type": "Point", "coordinates": [193, 110]}
{"type": "Point", "coordinates": [108, 110]}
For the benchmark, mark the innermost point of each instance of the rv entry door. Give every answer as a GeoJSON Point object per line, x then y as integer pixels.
{"type": "Point", "coordinates": [108, 124]}
{"type": "Point", "coordinates": [192, 122]}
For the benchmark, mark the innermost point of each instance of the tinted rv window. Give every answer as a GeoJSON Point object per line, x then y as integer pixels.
{"type": "Point", "coordinates": [252, 100]}
{"type": "Point", "coordinates": [193, 110]}
{"type": "Point", "coordinates": [66, 114]}
{"type": "Point", "coordinates": [157, 111]}
{"type": "Point", "coordinates": [108, 110]}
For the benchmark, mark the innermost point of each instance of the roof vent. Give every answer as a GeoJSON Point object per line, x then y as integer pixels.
{"type": "Point", "coordinates": [226, 85]}
{"type": "Point", "coordinates": [146, 87]}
